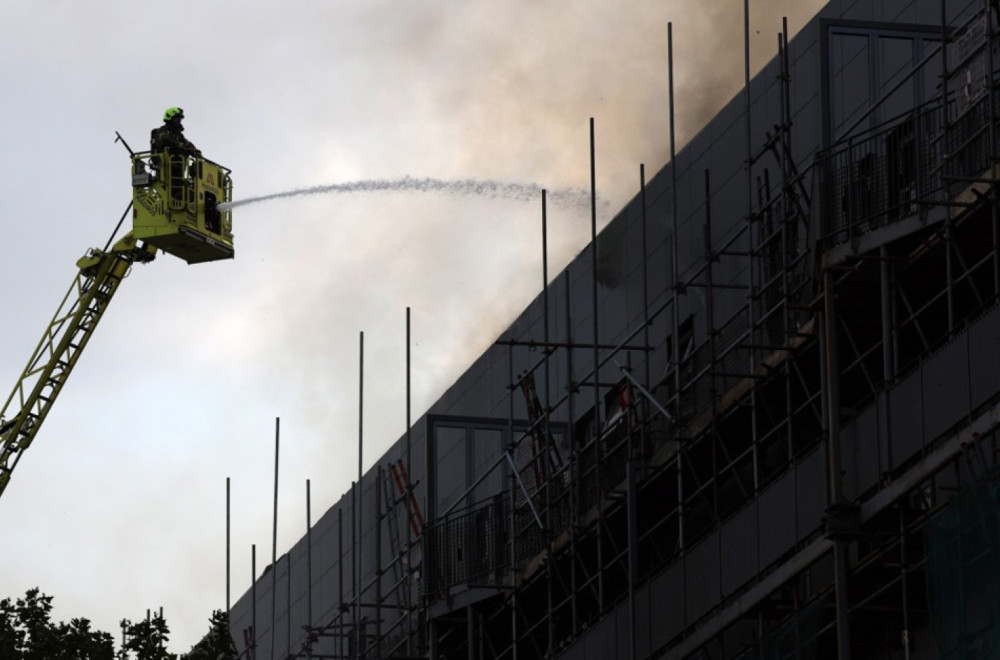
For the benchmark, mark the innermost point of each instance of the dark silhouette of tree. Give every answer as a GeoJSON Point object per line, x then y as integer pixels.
{"type": "Point", "coordinates": [11, 634]}
{"type": "Point", "coordinates": [146, 639]}
{"type": "Point", "coordinates": [80, 642]}
{"type": "Point", "coordinates": [28, 633]}
{"type": "Point", "coordinates": [217, 644]}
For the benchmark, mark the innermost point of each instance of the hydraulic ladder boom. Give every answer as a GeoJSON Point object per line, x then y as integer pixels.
{"type": "Point", "coordinates": [65, 338]}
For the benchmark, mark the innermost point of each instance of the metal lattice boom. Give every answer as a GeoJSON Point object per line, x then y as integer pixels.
{"type": "Point", "coordinates": [61, 345]}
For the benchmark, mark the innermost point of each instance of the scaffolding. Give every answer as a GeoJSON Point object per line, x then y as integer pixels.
{"type": "Point", "coordinates": [830, 375]}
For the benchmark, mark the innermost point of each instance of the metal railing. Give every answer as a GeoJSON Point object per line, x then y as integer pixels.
{"type": "Point", "coordinates": [470, 546]}
{"type": "Point", "coordinates": [910, 163]}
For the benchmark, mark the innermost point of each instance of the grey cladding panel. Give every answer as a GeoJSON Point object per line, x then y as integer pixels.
{"type": "Point", "coordinates": [729, 196]}
{"type": "Point", "coordinates": [729, 209]}
{"type": "Point", "coordinates": [282, 622]}
{"type": "Point", "coordinates": [867, 455]}
{"type": "Point", "coordinates": [811, 483]}
{"type": "Point", "coordinates": [612, 322]}
{"type": "Point", "coordinates": [633, 234]}
{"type": "Point", "coordinates": [898, 10]}
{"type": "Point", "coordinates": [575, 652]}
{"type": "Point", "coordinates": [703, 580]}
{"type": "Point", "coordinates": [849, 452]}
{"type": "Point", "coordinates": [660, 268]}
{"type": "Point", "coordinates": [600, 641]}
{"type": "Point", "coordinates": [984, 354]}
{"type": "Point", "coordinates": [946, 387]}
{"type": "Point", "coordinates": [499, 384]}
{"type": "Point", "coordinates": [859, 10]}
{"type": "Point", "coordinates": [643, 622]}
{"type": "Point", "coordinates": [581, 304]}
{"type": "Point", "coordinates": [666, 602]}
{"type": "Point", "coordinates": [660, 328]}
{"type": "Point", "coordinates": [739, 549]}
{"type": "Point", "coordinates": [623, 630]}
{"type": "Point", "coordinates": [805, 76]}
{"type": "Point", "coordinates": [777, 516]}
{"type": "Point", "coordinates": [881, 435]}
{"type": "Point", "coordinates": [905, 402]}
{"type": "Point", "coordinates": [634, 298]}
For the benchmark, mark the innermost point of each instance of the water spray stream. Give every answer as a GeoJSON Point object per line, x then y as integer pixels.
{"type": "Point", "coordinates": [517, 192]}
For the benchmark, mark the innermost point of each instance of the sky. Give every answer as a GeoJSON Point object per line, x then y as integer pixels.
{"type": "Point", "coordinates": [119, 504]}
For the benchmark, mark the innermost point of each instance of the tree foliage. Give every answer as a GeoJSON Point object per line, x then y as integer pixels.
{"type": "Point", "coordinates": [146, 639]}
{"type": "Point", "coordinates": [27, 632]}
{"type": "Point", "coordinates": [217, 644]}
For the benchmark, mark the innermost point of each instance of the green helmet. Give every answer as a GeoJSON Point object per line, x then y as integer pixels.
{"type": "Point", "coordinates": [170, 113]}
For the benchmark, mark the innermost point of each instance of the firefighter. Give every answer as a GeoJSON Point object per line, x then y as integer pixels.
{"type": "Point", "coordinates": [171, 135]}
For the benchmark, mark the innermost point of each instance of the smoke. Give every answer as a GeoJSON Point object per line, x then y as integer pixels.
{"type": "Point", "coordinates": [573, 198]}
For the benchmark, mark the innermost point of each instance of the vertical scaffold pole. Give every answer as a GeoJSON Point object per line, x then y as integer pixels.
{"type": "Point", "coordinates": [547, 469]}
{"type": "Point", "coordinates": [359, 499]}
{"type": "Point", "coordinates": [573, 457]}
{"type": "Point", "coordinates": [633, 554]}
{"type": "Point", "coordinates": [904, 580]}
{"type": "Point", "coordinates": [643, 440]}
{"type": "Point", "coordinates": [408, 494]}
{"type": "Point", "coordinates": [274, 536]}
{"type": "Point", "coordinates": [712, 343]}
{"type": "Point", "coordinates": [340, 580]}
{"type": "Point", "coordinates": [992, 137]}
{"type": "Point", "coordinates": [949, 288]}
{"type": "Point", "coordinates": [309, 567]}
{"type": "Point", "coordinates": [832, 398]}
{"type": "Point", "coordinates": [786, 217]}
{"type": "Point", "coordinates": [288, 603]}
{"type": "Point", "coordinates": [677, 291]}
{"type": "Point", "coordinates": [228, 547]}
{"type": "Point", "coordinates": [380, 475]}
{"type": "Point", "coordinates": [354, 647]}
{"type": "Point", "coordinates": [751, 248]}
{"type": "Point", "coordinates": [597, 364]}
{"type": "Point", "coordinates": [253, 601]}
{"type": "Point", "coordinates": [514, 595]}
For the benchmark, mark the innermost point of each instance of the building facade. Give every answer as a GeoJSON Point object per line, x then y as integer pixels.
{"type": "Point", "coordinates": [756, 418]}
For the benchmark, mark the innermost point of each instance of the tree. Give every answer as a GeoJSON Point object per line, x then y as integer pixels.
{"type": "Point", "coordinates": [27, 633]}
{"type": "Point", "coordinates": [217, 644]}
{"type": "Point", "coordinates": [11, 635]}
{"type": "Point", "coordinates": [79, 642]}
{"type": "Point", "coordinates": [146, 639]}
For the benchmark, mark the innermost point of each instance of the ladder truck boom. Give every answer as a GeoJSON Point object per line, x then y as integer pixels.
{"type": "Point", "coordinates": [62, 343]}
{"type": "Point", "coordinates": [173, 209]}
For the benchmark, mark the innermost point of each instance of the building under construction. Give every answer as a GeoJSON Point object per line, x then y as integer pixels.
{"type": "Point", "coordinates": [755, 418]}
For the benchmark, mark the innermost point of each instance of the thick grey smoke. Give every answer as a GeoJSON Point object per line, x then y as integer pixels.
{"type": "Point", "coordinates": [516, 192]}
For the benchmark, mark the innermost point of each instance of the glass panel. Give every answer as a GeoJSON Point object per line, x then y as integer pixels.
{"type": "Point", "coordinates": [487, 450]}
{"type": "Point", "coordinates": [450, 445]}
{"type": "Point", "coordinates": [850, 79]}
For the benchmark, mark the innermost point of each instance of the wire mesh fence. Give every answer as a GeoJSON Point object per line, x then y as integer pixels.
{"type": "Point", "coordinates": [963, 571]}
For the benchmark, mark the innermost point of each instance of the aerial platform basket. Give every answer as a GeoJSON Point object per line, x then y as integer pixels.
{"type": "Point", "coordinates": [175, 206]}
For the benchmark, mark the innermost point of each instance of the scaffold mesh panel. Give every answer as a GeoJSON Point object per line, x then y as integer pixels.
{"type": "Point", "coordinates": [963, 571]}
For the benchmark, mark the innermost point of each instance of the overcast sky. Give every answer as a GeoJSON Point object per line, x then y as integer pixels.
{"type": "Point", "coordinates": [119, 505]}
